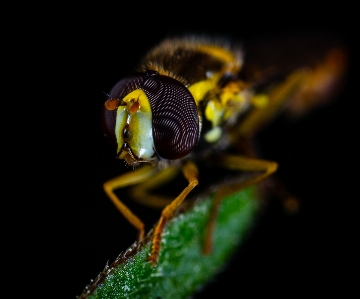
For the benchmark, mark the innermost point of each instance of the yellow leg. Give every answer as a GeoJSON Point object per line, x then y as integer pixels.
{"type": "Point", "coordinates": [239, 163]}
{"type": "Point", "coordinates": [301, 91]}
{"type": "Point", "coordinates": [322, 83]}
{"type": "Point", "coordinates": [277, 97]}
{"type": "Point", "coordinates": [191, 174]}
{"type": "Point", "coordinates": [141, 192]}
{"type": "Point", "coordinates": [125, 180]}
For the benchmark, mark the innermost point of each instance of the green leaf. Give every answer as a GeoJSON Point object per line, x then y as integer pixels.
{"type": "Point", "coordinates": [182, 268]}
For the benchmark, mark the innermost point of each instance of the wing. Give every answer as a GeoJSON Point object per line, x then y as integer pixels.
{"type": "Point", "coordinates": [322, 57]}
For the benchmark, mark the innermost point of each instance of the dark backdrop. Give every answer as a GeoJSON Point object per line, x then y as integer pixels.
{"type": "Point", "coordinates": [284, 255]}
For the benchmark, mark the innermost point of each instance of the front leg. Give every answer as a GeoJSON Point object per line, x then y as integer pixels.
{"type": "Point", "coordinates": [191, 174]}
{"type": "Point", "coordinates": [130, 178]}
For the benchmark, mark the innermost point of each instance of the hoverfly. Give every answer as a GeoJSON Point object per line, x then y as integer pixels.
{"type": "Point", "coordinates": [198, 100]}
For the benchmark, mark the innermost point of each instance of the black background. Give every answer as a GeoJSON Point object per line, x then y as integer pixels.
{"type": "Point", "coordinates": [284, 255]}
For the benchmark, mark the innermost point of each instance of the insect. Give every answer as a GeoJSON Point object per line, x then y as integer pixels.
{"type": "Point", "coordinates": [196, 100]}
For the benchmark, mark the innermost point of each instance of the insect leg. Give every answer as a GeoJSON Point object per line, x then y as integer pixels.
{"type": "Point", "coordinates": [323, 83]}
{"type": "Point", "coordinates": [276, 98]}
{"type": "Point", "coordinates": [274, 186]}
{"type": "Point", "coordinates": [142, 192]}
{"type": "Point", "coordinates": [191, 174]}
{"type": "Point", "coordinates": [302, 90]}
{"type": "Point", "coordinates": [125, 180]}
{"type": "Point", "coordinates": [240, 163]}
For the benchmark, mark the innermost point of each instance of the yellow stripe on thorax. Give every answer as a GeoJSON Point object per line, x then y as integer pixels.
{"type": "Point", "coordinates": [232, 64]}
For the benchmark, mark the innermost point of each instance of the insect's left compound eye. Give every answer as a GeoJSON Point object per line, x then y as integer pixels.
{"type": "Point", "coordinates": [175, 117]}
{"type": "Point", "coordinates": [119, 91]}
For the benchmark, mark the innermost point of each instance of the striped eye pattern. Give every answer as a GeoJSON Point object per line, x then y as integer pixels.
{"type": "Point", "coordinates": [175, 116]}
{"type": "Point", "coordinates": [175, 120]}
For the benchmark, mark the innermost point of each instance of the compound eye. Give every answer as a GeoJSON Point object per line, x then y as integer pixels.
{"type": "Point", "coordinates": [118, 92]}
{"type": "Point", "coordinates": [175, 117]}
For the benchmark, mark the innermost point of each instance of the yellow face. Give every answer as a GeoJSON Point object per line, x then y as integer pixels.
{"type": "Point", "coordinates": [133, 129]}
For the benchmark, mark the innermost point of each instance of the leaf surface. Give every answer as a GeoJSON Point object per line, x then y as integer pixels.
{"type": "Point", "coordinates": [182, 269]}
